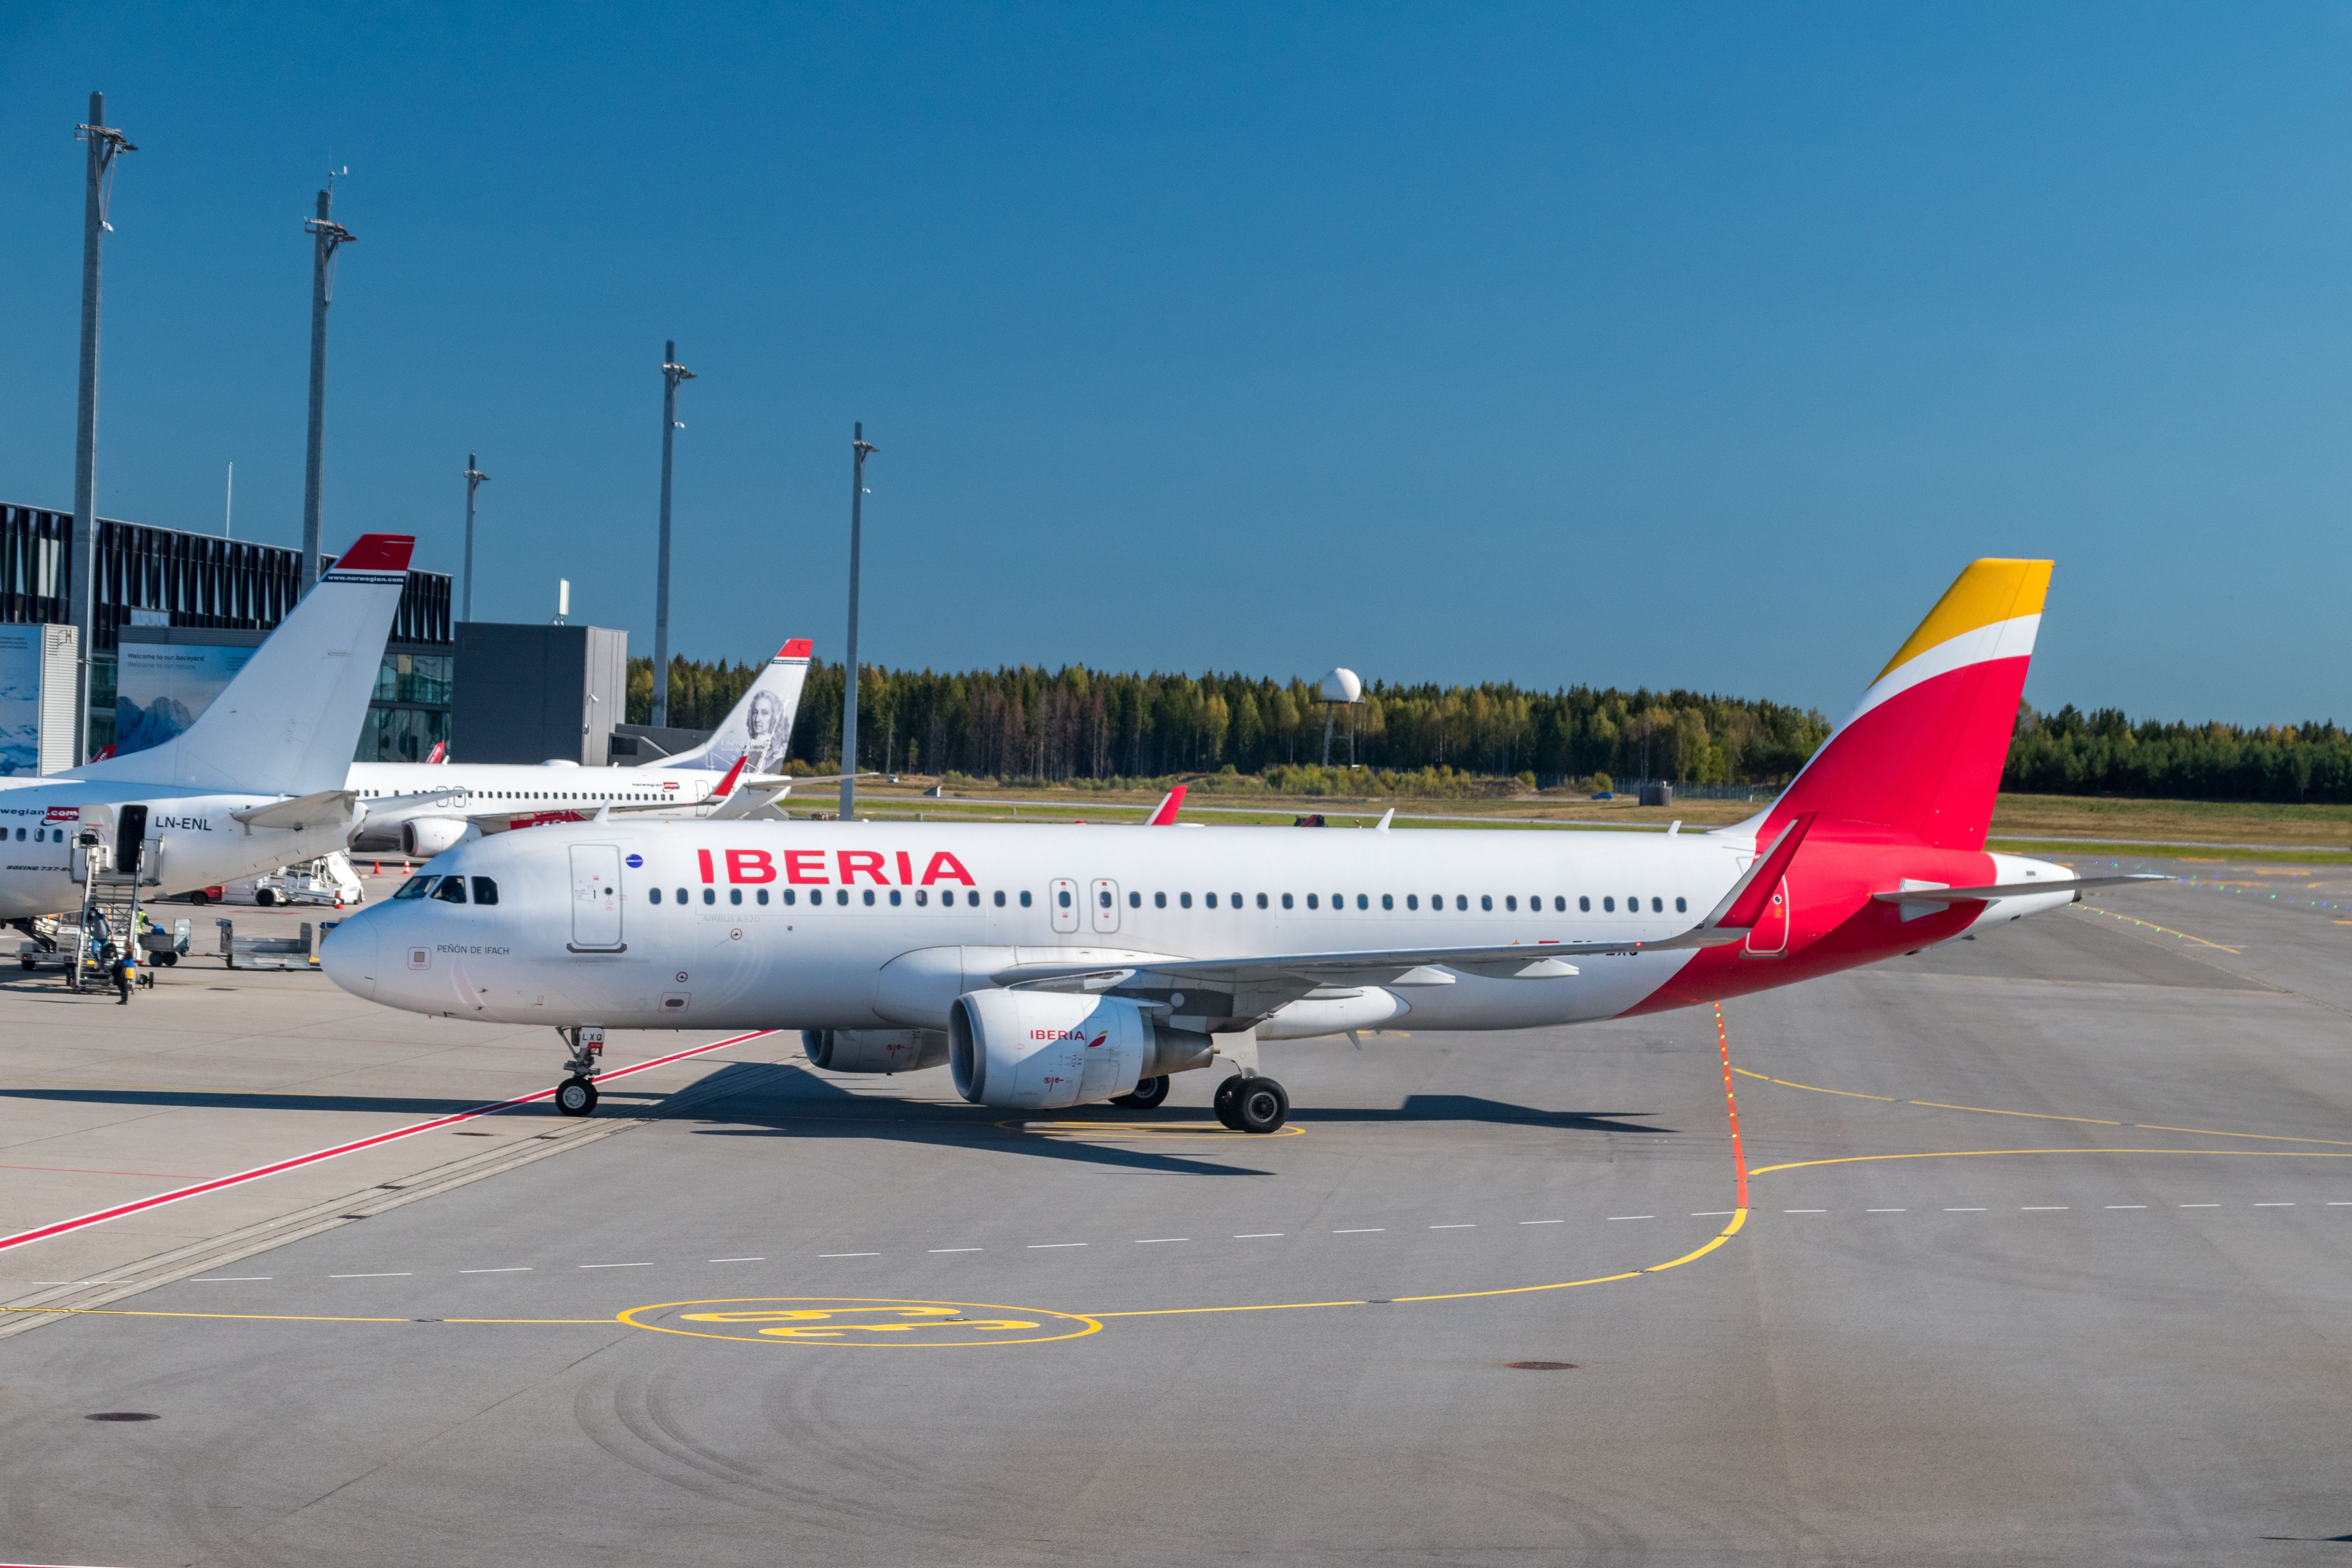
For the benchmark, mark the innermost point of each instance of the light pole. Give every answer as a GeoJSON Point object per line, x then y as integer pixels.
{"type": "Point", "coordinates": [328, 238]}
{"type": "Point", "coordinates": [82, 552]}
{"type": "Point", "coordinates": [474, 479]}
{"type": "Point", "coordinates": [859, 447]}
{"type": "Point", "coordinates": [672, 374]}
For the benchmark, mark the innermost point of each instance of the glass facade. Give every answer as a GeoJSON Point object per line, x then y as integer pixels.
{"type": "Point", "coordinates": [205, 581]}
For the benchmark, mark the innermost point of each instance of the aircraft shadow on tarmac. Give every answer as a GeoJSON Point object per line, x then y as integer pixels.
{"type": "Point", "coordinates": [784, 1101]}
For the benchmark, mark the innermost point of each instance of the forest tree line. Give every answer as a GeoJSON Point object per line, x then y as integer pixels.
{"type": "Point", "coordinates": [1081, 726]}
{"type": "Point", "coordinates": [1077, 725]}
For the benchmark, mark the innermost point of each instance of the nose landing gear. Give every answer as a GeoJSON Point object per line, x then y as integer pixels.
{"type": "Point", "coordinates": [576, 1095]}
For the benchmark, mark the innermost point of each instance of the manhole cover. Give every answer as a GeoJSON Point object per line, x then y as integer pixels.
{"type": "Point", "coordinates": [123, 1416]}
{"type": "Point", "coordinates": [1542, 1365]}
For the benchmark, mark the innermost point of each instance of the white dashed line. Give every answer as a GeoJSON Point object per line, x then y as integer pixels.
{"type": "Point", "coordinates": [2339, 1203]}
{"type": "Point", "coordinates": [849, 1255]}
{"type": "Point", "coordinates": [1257, 1235]}
{"type": "Point", "coordinates": [1804, 1211]}
{"type": "Point", "coordinates": [230, 1279]}
{"type": "Point", "coordinates": [1049, 1246]}
{"type": "Point", "coordinates": [2201, 1206]}
{"type": "Point", "coordinates": [126, 1281]}
{"type": "Point", "coordinates": [402, 1275]}
{"type": "Point", "coordinates": [522, 1269]}
{"type": "Point", "coordinates": [2274, 1206]}
{"type": "Point", "coordinates": [2041, 1208]}
{"type": "Point", "coordinates": [1156, 1241]}
{"type": "Point", "coordinates": [1361, 1230]}
{"type": "Point", "coordinates": [1453, 1228]}
{"type": "Point", "coordinates": [735, 1260]}
{"type": "Point", "coordinates": [955, 1250]}
{"type": "Point", "coordinates": [2127, 1205]}
{"type": "Point", "coordinates": [1964, 1211]}
{"type": "Point", "coordinates": [1543, 1222]}
{"type": "Point", "coordinates": [1654, 1216]}
{"type": "Point", "coordinates": [1886, 1211]}
{"type": "Point", "coordinates": [616, 1266]}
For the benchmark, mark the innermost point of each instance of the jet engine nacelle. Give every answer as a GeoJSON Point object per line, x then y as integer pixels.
{"type": "Point", "coordinates": [1037, 1050]}
{"type": "Point", "coordinates": [873, 1050]}
{"type": "Point", "coordinates": [426, 837]}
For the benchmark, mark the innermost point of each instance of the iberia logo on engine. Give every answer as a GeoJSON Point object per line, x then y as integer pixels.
{"type": "Point", "coordinates": [1069, 1034]}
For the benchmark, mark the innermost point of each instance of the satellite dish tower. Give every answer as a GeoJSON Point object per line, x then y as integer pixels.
{"type": "Point", "coordinates": [1341, 689]}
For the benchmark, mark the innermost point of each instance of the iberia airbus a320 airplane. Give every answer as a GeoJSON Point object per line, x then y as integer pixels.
{"type": "Point", "coordinates": [1054, 965]}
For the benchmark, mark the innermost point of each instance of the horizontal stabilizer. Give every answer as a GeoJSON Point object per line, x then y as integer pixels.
{"type": "Point", "coordinates": [2012, 890]}
{"type": "Point", "coordinates": [327, 808]}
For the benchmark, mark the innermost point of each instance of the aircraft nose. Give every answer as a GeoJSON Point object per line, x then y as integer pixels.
{"type": "Point", "coordinates": [349, 957]}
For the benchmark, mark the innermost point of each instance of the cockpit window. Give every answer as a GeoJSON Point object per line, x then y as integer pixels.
{"type": "Point", "coordinates": [486, 891]}
{"type": "Point", "coordinates": [452, 890]}
{"type": "Point", "coordinates": [414, 888]}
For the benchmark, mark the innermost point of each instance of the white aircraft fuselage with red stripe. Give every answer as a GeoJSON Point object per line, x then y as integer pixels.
{"type": "Point", "coordinates": [1009, 946]}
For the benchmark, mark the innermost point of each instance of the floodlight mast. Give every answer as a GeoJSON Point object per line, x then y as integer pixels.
{"type": "Point", "coordinates": [672, 374]}
{"type": "Point", "coordinates": [474, 479]}
{"type": "Point", "coordinates": [82, 550]}
{"type": "Point", "coordinates": [326, 237]}
{"type": "Point", "coordinates": [859, 449]}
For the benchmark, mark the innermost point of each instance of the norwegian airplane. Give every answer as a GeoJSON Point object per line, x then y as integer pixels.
{"type": "Point", "coordinates": [450, 802]}
{"type": "Point", "coordinates": [255, 782]}
{"type": "Point", "coordinates": [1053, 966]}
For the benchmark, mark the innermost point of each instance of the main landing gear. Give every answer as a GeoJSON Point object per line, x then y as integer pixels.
{"type": "Point", "coordinates": [576, 1095]}
{"type": "Point", "coordinates": [1252, 1104]}
{"type": "Point", "coordinates": [1147, 1093]}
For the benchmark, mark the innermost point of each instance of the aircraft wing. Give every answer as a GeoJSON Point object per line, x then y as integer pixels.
{"type": "Point", "coordinates": [395, 807]}
{"type": "Point", "coordinates": [1372, 967]}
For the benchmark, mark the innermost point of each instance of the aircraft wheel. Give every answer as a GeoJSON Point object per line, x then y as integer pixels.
{"type": "Point", "coordinates": [1147, 1093]}
{"type": "Point", "coordinates": [1260, 1105]}
{"type": "Point", "coordinates": [575, 1096]}
{"type": "Point", "coordinates": [1227, 1093]}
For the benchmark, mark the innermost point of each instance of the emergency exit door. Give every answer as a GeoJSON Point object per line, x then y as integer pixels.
{"type": "Point", "coordinates": [1062, 898]}
{"type": "Point", "coordinates": [1102, 904]}
{"type": "Point", "coordinates": [596, 898]}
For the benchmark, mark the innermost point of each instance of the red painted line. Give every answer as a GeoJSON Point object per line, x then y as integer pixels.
{"type": "Point", "coordinates": [25, 1237]}
{"type": "Point", "coordinates": [1731, 1104]}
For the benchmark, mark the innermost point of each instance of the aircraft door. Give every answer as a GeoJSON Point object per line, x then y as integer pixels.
{"type": "Point", "coordinates": [1103, 905]}
{"type": "Point", "coordinates": [1062, 899]}
{"type": "Point", "coordinates": [1770, 936]}
{"type": "Point", "coordinates": [596, 898]}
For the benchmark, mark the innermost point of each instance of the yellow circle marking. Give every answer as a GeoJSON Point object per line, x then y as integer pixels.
{"type": "Point", "coordinates": [1126, 1131]}
{"type": "Point", "coordinates": [862, 1322]}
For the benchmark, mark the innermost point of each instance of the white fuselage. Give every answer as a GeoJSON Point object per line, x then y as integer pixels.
{"type": "Point", "coordinates": [541, 786]}
{"type": "Point", "coordinates": [867, 925]}
{"type": "Point", "coordinates": [192, 838]}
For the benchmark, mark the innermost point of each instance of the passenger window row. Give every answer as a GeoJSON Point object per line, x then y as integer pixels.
{"type": "Point", "coordinates": [790, 896]}
{"type": "Point", "coordinates": [1411, 902]}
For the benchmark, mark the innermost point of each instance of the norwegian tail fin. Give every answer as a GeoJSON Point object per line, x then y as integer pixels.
{"type": "Point", "coordinates": [1921, 753]}
{"type": "Point", "coordinates": [759, 728]}
{"type": "Point", "coordinates": [289, 721]}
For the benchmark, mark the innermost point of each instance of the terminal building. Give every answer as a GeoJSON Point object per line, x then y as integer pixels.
{"type": "Point", "coordinates": [177, 613]}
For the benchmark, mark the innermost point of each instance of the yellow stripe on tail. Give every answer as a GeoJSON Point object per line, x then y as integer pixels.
{"type": "Point", "coordinates": [1989, 591]}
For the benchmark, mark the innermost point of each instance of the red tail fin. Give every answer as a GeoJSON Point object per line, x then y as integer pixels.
{"type": "Point", "coordinates": [1165, 812]}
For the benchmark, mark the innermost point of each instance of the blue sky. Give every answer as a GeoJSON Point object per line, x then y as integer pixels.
{"type": "Point", "coordinates": [1690, 345]}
